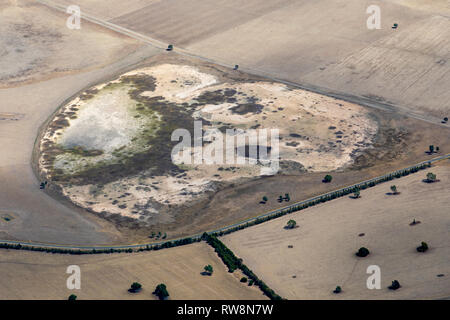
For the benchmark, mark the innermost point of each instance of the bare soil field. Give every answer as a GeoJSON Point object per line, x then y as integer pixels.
{"type": "Point", "coordinates": [324, 244]}
{"type": "Point", "coordinates": [321, 44]}
{"type": "Point", "coordinates": [36, 44]}
{"type": "Point", "coordinates": [97, 99]}
{"type": "Point", "coordinates": [28, 99]}
{"type": "Point", "coordinates": [109, 9]}
{"type": "Point", "coordinates": [29, 275]}
{"type": "Point", "coordinates": [438, 6]}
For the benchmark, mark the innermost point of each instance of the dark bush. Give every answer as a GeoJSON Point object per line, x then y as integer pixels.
{"type": "Point", "coordinates": [337, 290]}
{"type": "Point", "coordinates": [135, 287]}
{"type": "Point", "coordinates": [72, 297]}
{"type": "Point", "coordinates": [363, 252]}
{"type": "Point", "coordinates": [161, 291]}
{"type": "Point", "coordinates": [395, 285]}
{"type": "Point", "coordinates": [423, 247]}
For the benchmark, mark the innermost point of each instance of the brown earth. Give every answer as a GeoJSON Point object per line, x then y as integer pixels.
{"type": "Point", "coordinates": [36, 44]}
{"type": "Point", "coordinates": [328, 235]}
{"type": "Point", "coordinates": [37, 276]}
{"type": "Point", "coordinates": [321, 44]}
{"type": "Point", "coordinates": [401, 142]}
{"type": "Point", "coordinates": [42, 218]}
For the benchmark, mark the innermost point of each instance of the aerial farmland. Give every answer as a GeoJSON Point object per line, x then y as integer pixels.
{"type": "Point", "coordinates": [224, 149]}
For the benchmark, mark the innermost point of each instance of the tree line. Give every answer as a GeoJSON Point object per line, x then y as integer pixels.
{"type": "Point", "coordinates": [174, 243]}
{"type": "Point", "coordinates": [168, 244]}
{"type": "Point", "coordinates": [327, 197]}
{"type": "Point", "coordinates": [233, 263]}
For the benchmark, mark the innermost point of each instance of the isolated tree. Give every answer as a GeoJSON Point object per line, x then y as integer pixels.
{"type": "Point", "coordinates": [291, 224]}
{"type": "Point", "coordinates": [431, 177]}
{"type": "Point", "coordinates": [356, 194]}
{"type": "Point", "coordinates": [287, 197]}
{"type": "Point", "coordinates": [337, 290]}
{"type": "Point", "coordinates": [437, 149]}
{"type": "Point", "coordinates": [244, 279]}
{"type": "Point", "coordinates": [327, 178]}
{"type": "Point", "coordinates": [394, 189]}
{"type": "Point", "coordinates": [395, 285]}
{"type": "Point", "coordinates": [446, 119]}
{"type": "Point", "coordinates": [280, 199]}
{"type": "Point", "coordinates": [72, 297]}
{"type": "Point", "coordinates": [431, 148]}
{"type": "Point", "coordinates": [363, 252]}
{"type": "Point", "coordinates": [135, 287]}
{"type": "Point", "coordinates": [423, 247]}
{"type": "Point", "coordinates": [208, 269]}
{"type": "Point", "coordinates": [161, 291]}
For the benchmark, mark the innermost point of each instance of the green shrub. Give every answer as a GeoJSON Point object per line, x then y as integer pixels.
{"type": "Point", "coordinates": [423, 247]}
{"type": "Point", "coordinates": [135, 287]}
{"type": "Point", "coordinates": [395, 285]}
{"type": "Point", "coordinates": [161, 291]}
{"type": "Point", "coordinates": [431, 177]}
{"type": "Point", "coordinates": [394, 189]}
{"type": "Point", "coordinates": [291, 224]}
{"type": "Point", "coordinates": [208, 269]}
{"type": "Point", "coordinates": [337, 290]}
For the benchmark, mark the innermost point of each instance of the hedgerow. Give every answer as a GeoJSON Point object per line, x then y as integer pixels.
{"type": "Point", "coordinates": [233, 263]}
{"type": "Point", "coordinates": [174, 243]}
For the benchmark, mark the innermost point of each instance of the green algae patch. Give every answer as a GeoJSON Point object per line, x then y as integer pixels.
{"type": "Point", "coordinates": [112, 131]}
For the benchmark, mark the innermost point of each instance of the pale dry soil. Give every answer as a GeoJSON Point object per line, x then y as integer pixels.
{"type": "Point", "coordinates": [324, 244]}
{"type": "Point", "coordinates": [30, 275]}
{"type": "Point", "coordinates": [35, 44]}
{"type": "Point", "coordinates": [321, 44]}
{"type": "Point", "coordinates": [42, 63]}
{"type": "Point", "coordinates": [317, 134]}
{"type": "Point", "coordinates": [234, 33]}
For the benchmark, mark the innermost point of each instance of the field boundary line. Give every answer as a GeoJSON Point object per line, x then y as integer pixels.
{"type": "Point", "coordinates": [297, 206]}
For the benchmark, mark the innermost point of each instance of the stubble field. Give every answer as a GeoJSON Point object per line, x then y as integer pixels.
{"type": "Point", "coordinates": [328, 235]}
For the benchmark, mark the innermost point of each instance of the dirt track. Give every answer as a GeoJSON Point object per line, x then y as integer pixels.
{"type": "Point", "coordinates": [58, 223]}
{"type": "Point", "coordinates": [305, 43]}
{"type": "Point", "coordinates": [38, 216]}
{"type": "Point", "coordinates": [395, 72]}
